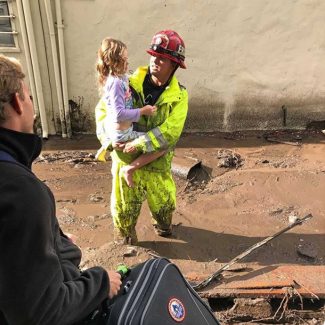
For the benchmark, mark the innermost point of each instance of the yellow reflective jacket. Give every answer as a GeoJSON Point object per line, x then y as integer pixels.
{"type": "Point", "coordinates": [164, 128]}
{"type": "Point", "coordinates": [100, 117]}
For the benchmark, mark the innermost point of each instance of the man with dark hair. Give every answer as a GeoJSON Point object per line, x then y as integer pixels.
{"type": "Point", "coordinates": [40, 279]}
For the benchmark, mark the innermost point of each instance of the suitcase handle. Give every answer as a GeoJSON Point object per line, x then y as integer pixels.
{"type": "Point", "coordinates": [123, 270]}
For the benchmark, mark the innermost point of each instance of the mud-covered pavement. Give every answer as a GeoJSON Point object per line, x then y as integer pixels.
{"type": "Point", "coordinates": [237, 203]}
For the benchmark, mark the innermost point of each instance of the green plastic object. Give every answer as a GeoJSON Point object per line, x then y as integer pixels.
{"type": "Point", "coordinates": [122, 269]}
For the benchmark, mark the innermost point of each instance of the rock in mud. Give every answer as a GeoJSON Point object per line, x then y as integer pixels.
{"type": "Point", "coordinates": [229, 159]}
{"type": "Point", "coordinates": [307, 251]}
{"type": "Point", "coordinates": [130, 251]}
{"type": "Point", "coordinates": [95, 198]}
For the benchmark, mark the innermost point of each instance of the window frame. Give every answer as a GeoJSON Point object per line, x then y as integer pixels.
{"type": "Point", "coordinates": [12, 18]}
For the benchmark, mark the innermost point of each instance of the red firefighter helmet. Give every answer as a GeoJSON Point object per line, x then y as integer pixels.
{"type": "Point", "coordinates": [168, 44]}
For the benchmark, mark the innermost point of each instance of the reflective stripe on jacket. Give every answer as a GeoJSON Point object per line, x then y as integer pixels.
{"type": "Point", "coordinates": [164, 128]}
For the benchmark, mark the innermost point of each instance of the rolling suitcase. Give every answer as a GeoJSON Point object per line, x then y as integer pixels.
{"type": "Point", "coordinates": [156, 293]}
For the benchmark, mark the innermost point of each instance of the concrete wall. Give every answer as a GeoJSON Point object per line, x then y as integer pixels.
{"type": "Point", "coordinates": [260, 55]}
{"type": "Point", "coordinates": [245, 58]}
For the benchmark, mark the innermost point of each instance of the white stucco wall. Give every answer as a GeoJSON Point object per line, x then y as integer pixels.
{"type": "Point", "coordinates": [245, 58]}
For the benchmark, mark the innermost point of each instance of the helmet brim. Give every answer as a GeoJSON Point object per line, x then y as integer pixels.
{"type": "Point", "coordinates": [167, 56]}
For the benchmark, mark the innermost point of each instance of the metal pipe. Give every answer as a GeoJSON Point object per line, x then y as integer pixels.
{"type": "Point", "coordinates": [185, 167]}
{"type": "Point", "coordinates": [9, 16]}
{"type": "Point", "coordinates": [12, 32]}
{"type": "Point", "coordinates": [285, 112]}
{"type": "Point", "coordinates": [56, 66]}
{"type": "Point", "coordinates": [60, 27]}
{"type": "Point", "coordinates": [28, 56]}
{"type": "Point", "coordinates": [35, 65]}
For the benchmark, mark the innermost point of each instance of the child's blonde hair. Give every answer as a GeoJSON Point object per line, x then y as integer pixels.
{"type": "Point", "coordinates": [110, 59]}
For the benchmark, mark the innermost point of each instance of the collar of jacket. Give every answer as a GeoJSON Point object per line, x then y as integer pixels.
{"type": "Point", "coordinates": [172, 93]}
{"type": "Point", "coordinates": [23, 147]}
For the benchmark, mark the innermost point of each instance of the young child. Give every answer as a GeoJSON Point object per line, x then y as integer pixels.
{"type": "Point", "coordinates": [117, 124]}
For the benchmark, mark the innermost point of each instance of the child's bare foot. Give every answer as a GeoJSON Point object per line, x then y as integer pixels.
{"type": "Point", "coordinates": [127, 174]}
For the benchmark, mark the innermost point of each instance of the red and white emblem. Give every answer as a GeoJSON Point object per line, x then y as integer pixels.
{"type": "Point", "coordinates": [176, 310]}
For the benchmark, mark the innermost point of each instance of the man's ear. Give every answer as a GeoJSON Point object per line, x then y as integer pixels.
{"type": "Point", "coordinates": [17, 104]}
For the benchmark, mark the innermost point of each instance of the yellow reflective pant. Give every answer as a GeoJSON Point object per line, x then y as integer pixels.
{"type": "Point", "coordinates": [157, 187]}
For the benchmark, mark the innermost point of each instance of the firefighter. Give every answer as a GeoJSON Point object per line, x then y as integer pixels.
{"type": "Point", "coordinates": [157, 85]}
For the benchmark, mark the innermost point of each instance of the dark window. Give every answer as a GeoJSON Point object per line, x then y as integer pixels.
{"type": "Point", "coordinates": [6, 31]}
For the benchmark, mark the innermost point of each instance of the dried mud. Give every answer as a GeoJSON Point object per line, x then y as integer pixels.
{"type": "Point", "coordinates": [218, 216]}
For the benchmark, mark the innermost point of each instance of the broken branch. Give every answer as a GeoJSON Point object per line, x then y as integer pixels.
{"type": "Point", "coordinates": [248, 251]}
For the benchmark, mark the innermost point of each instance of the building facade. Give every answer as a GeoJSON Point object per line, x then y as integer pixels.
{"type": "Point", "coordinates": [257, 64]}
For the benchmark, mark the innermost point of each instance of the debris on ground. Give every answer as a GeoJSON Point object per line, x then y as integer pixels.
{"type": "Point", "coordinates": [192, 187]}
{"type": "Point", "coordinates": [130, 251]}
{"type": "Point", "coordinates": [112, 252]}
{"type": "Point", "coordinates": [92, 218]}
{"type": "Point", "coordinates": [291, 143]}
{"type": "Point", "coordinates": [222, 185]}
{"type": "Point", "coordinates": [67, 201]}
{"type": "Point", "coordinates": [248, 309]}
{"type": "Point", "coordinates": [279, 211]}
{"type": "Point", "coordinates": [286, 214]}
{"type": "Point", "coordinates": [288, 137]}
{"type": "Point", "coordinates": [217, 275]}
{"type": "Point", "coordinates": [66, 216]}
{"type": "Point", "coordinates": [229, 159]}
{"type": "Point", "coordinates": [279, 162]}
{"type": "Point", "coordinates": [292, 218]}
{"type": "Point", "coordinates": [230, 211]}
{"type": "Point", "coordinates": [73, 157]}
{"type": "Point", "coordinates": [269, 311]}
{"type": "Point", "coordinates": [95, 198]}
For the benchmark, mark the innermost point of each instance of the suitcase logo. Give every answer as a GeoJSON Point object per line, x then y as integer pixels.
{"type": "Point", "coordinates": [176, 310]}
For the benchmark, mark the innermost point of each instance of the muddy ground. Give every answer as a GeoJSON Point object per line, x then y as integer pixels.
{"type": "Point", "coordinates": [247, 190]}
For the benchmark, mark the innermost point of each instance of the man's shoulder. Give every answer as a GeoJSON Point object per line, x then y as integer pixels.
{"type": "Point", "coordinates": [15, 173]}
{"type": "Point", "coordinates": [176, 87]}
{"type": "Point", "coordinates": [176, 84]}
{"type": "Point", "coordinates": [137, 77]}
{"type": "Point", "coordinates": [140, 71]}
{"type": "Point", "coordinates": [9, 167]}
{"type": "Point", "coordinates": [22, 186]}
